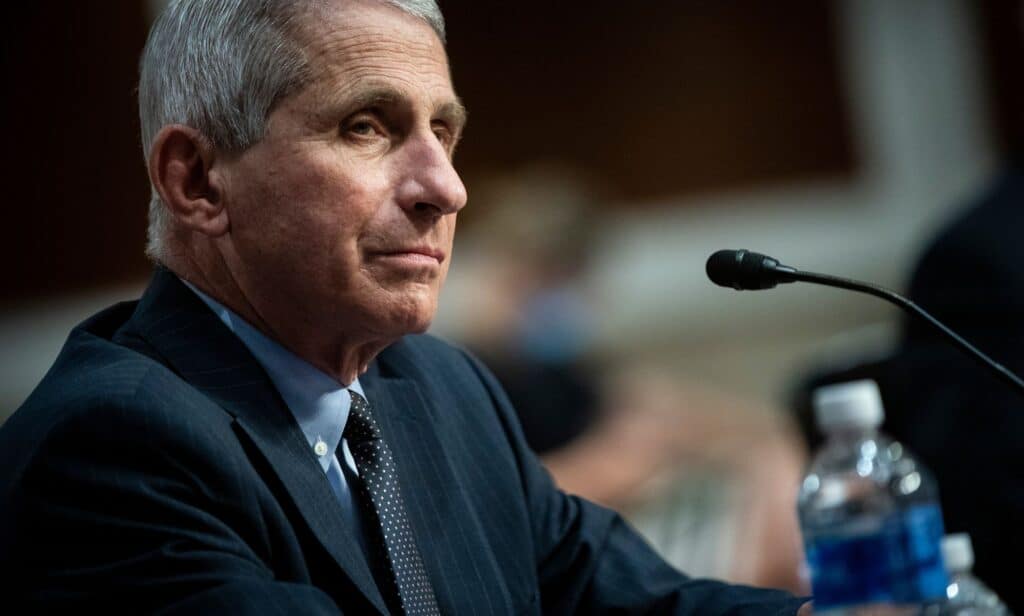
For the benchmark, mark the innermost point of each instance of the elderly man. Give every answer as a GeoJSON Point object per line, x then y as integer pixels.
{"type": "Point", "coordinates": [260, 433]}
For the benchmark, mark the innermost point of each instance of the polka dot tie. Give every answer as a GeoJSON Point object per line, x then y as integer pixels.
{"type": "Point", "coordinates": [380, 486]}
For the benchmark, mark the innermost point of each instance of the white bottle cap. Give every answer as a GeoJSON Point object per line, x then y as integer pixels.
{"type": "Point", "coordinates": [857, 404]}
{"type": "Point", "coordinates": [957, 552]}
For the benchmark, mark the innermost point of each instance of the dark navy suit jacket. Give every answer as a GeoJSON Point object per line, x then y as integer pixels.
{"type": "Point", "coordinates": [156, 468]}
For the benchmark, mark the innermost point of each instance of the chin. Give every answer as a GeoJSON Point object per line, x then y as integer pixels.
{"type": "Point", "coordinates": [413, 316]}
{"type": "Point", "coordinates": [396, 328]}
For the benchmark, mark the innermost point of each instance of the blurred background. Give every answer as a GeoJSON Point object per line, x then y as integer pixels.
{"type": "Point", "coordinates": [609, 152]}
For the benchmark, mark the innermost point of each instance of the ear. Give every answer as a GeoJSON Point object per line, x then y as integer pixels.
{"type": "Point", "coordinates": [181, 170]}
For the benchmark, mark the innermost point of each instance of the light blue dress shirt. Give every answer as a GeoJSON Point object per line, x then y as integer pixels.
{"type": "Point", "coordinates": [319, 403]}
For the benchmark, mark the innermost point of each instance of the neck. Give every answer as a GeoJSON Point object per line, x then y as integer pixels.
{"type": "Point", "coordinates": [341, 355]}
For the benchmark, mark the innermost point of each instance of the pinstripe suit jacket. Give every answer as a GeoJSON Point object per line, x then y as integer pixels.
{"type": "Point", "coordinates": [156, 468]}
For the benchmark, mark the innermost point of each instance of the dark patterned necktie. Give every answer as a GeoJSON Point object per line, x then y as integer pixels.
{"type": "Point", "coordinates": [380, 486]}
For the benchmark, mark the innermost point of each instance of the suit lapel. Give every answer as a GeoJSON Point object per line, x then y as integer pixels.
{"type": "Point", "coordinates": [449, 536]}
{"type": "Point", "coordinates": [186, 334]}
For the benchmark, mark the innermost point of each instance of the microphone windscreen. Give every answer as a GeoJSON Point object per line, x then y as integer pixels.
{"type": "Point", "coordinates": [742, 270]}
{"type": "Point", "coordinates": [723, 267]}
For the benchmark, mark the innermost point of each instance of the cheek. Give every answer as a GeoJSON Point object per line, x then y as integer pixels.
{"type": "Point", "coordinates": [342, 187]}
{"type": "Point", "coordinates": [326, 207]}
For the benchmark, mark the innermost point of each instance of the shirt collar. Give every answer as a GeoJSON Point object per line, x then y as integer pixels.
{"type": "Point", "coordinates": [319, 403]}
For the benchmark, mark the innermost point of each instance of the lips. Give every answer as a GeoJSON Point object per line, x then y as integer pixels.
{"type": "Point", "coordinates": [415, 252]}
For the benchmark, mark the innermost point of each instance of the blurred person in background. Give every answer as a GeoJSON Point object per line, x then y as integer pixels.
{"type": "Point", "coordinates": [966, 425]}
{"type": "Point", "coordinates": [707, 475]}
{"type": "Point", "coordinates": [262, 432]}
{"type": "Point", "coordinates": [963, 423]}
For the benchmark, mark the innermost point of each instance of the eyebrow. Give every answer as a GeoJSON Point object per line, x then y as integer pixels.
{"type": "Point", "coordinates": [454, 112]}
{"type": "Point", "coordinates": [374, 97]}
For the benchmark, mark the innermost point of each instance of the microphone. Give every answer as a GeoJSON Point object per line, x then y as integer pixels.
{"type": "Point", "coordinates": [744, 270]}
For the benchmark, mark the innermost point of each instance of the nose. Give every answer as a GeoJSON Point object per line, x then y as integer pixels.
{"type": "Point", "coordinates": [430, 182]}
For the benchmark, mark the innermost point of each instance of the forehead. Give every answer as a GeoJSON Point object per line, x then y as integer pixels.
{"type": "Point", "coordinates": [353, 45]}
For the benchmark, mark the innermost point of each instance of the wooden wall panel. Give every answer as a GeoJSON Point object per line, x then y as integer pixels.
{"type": "Point", "coordinates": [75, 188]}
{"type": "Point", "coordinates": [1002, 28]}
{"type": "Point", "coordinates": [656, 98]}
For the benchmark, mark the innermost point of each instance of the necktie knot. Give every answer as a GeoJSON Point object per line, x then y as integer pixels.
{"type": "Point", "coordinates": [361, 426]}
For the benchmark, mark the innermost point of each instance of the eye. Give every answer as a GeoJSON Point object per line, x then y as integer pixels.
{"type": "Point", "coordinates": [444, 135]}
{"type": "Point", "coordinates": [362, 126]}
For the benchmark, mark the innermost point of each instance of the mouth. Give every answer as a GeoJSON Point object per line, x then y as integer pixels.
{"type": "Point", "coordinates": [414, 255]}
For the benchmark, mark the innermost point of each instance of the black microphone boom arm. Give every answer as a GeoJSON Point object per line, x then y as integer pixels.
{"type": "Point", "coordinates": [776, 272]}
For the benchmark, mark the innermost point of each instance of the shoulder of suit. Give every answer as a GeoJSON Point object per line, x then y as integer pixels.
{"type": "Point", "coordinates": [96, 380]}
{"type": "Point", "coordinates": [94, 361]}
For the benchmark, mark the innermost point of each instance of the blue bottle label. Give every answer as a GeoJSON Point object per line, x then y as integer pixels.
{"type": "Point", "coordinates": [897, 561]}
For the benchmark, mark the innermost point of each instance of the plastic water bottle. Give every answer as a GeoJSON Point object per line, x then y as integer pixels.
{"type": "Point", "coordinates": [869, 513]}
{"type": "Point", "coordinates": [967, 595]}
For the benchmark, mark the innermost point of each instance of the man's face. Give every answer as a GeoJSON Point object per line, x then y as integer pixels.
{"type": "Point", "coordinates": [342, 217]}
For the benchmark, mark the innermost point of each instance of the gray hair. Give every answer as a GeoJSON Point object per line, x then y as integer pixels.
{"type": "Point", "coordinates": [221, 66]}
